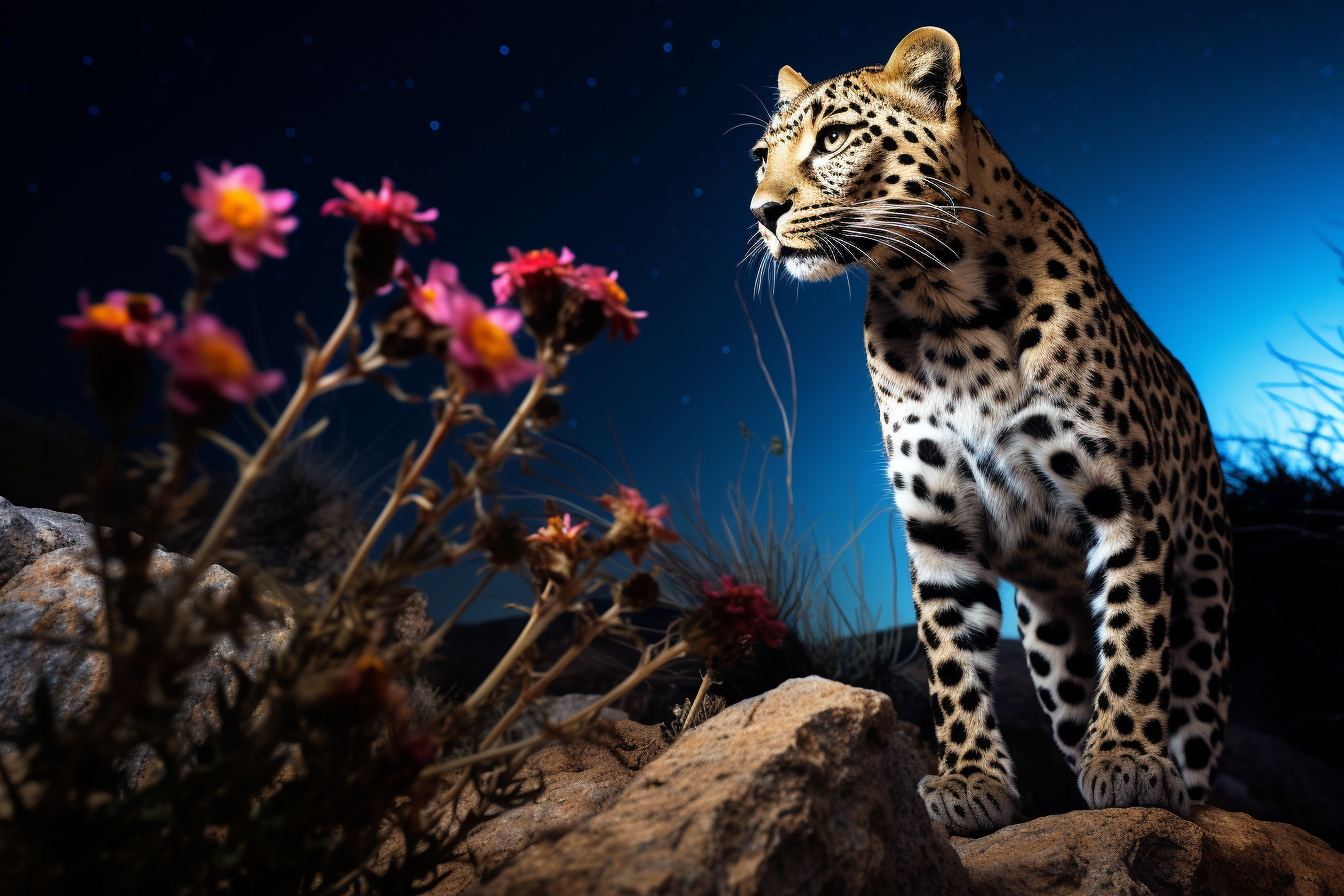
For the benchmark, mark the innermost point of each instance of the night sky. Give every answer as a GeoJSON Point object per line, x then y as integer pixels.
{"type": "Point", "coordinates": [1202, 146]}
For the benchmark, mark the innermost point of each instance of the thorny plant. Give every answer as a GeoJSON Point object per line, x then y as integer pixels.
{"type": "Point", "coordinates": [312, 763]}
{"type": "Point", "coordinates": [792, 567]}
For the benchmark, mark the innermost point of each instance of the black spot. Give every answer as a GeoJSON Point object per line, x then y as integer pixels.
{"type": "Point", "coordinates": [1083, 664]}
{"type": "Point", "coordinates": [1150, 588]}
{"type": "Point", "coordinates": [930, 636]}
{"type": "Point", "coordinates": [957, 733]}
{"type": "Point", "coordinates": [1119, 681]}
{"type": "Point", "coordinates": [1124, 723]}
{"type": "Point", "coordinates": [1046, 700]}
{"type": "Point", "coordinates": [930, 454]}
{"type": "Point", "coordinates": [1025, 286]}
{"type": "Point", "coordinates": [1028, 339]}
{"type": "Point", "coordinates": [1057, 270]}
{"type": "Point", "coordinates": [1103, 502]}
{"type": "Point", "coordinates": [1204, 588]}
{"type": "Point", "coordinates": [1152, 731]}
{"type": "Point", "coordinates": [1118, 594]}
{"type": "Point", "coordinates": [1039, 663]}
{"type": "Point", "coordinates": [1054, 632]}
{"type": "Point", "coordinates": [949, 617]}
{"type": "Point", "coordinates": [1028, 244]}
{"type": "Point", "coordinates": [1213, 619]}
{"type": "Point", "coordinates": [942, 536]}
{"type": "Point", "coordinates": [888, 144]}
{"type": "Point", "coordinates": [970, 700]}
{"type": "Point", "coordinates": [1044, 312]}
{"type": "Point", "coordinates": [1023, 614]}
{"type": "Point", "coordinates": [1038, 427]}
{"type": "Point", "coordinates": [1072, 692]}
{"type": "Point", "coordinates": [1136, 642]}
{"type": "Point", "coordinates": [1065, 464]}
{"type": "Point", "coordinates": [1152, 546]}
{"type": "Point", "coordinates": [1070, 732]}
{"type": "Point", "coordinates": [949, 672]}
{"type": "Point", "coordinates": [1184, 684]}
{"type": "Point", "coordinates": [1197, 753]}
{"type": "Point", "coordinates": [1202, 655]}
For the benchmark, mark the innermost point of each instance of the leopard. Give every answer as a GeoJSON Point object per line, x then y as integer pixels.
{"type": "Point", "coordinates": [1036, 431]}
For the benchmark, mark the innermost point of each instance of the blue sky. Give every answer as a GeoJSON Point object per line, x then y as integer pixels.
{"type": "Point", "coordinates": [1202, 146]}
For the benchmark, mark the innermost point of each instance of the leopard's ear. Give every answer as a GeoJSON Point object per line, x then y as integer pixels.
{"type": "Point", "coordinates": [928, 62]}
{"type": "Point", "coordinates": [790, 85]}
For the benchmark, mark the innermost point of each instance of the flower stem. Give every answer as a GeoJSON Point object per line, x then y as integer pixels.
{"type": "Point", "coordinates": [275, 440]}
{"type": "Point", "coordinates": [405, 483]}
{"type": "Point", "coordinates": [705, 682]}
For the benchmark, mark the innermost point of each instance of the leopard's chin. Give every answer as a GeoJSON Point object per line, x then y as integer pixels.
{"type": "Point", "coordinates": [806, 266]}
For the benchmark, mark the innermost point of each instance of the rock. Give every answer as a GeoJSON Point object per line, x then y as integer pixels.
{"type": "Point", "coordinates": [52, 621]}
{"type": "Point", "coordinates": [801, 790]}
{"type": "Point", "coordinates": [28, 533]}
{"type": "Point", "coordinates": [577, 780]}
{"type": "Point", "coordinates": [1152, 851]}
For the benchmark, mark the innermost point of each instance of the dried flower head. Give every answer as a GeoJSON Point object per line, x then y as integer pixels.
{"type": "Point", "coordinates": [503, 538]}
{"type": "Point", "coordinates": [389, 208]}
{"type": "Point", "coordinates": [135, 318]}
{"type": "Point", "coordinates": [209, 362]}
{"type": "Point", "coordinates": [639, 592]}
{"type": "Point", "coordinates": [234, 207]}
{"type": "Point", "coordinates": [732, 618]}
{"type": "Point", "coordinates": [636, 524]}
{"type": "Point", "coordinates": [600, 286]}
{"type": "Point", "coordinates": [548, 412]}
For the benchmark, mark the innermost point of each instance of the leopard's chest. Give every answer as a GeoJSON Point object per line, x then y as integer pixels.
{"type": "Point", "coordinates": [964, 394]}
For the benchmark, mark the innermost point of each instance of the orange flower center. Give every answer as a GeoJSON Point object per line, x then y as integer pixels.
{"type": "Point", "coordinates": [614, 290]}
{"type": "Point", "coordinates": [241, 208]}
{"type": "Point", "coordinates": [430, 294]}
{"type": "Point", "coordinates": [106, 315]}
{"type": "Point", "coordinates": [223, 358]}
{"type": "Point", "coordinates": [492, 342]}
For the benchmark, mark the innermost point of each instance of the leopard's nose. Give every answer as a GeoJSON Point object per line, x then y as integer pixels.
{"type": "Point", "coordinates": [769, 213]}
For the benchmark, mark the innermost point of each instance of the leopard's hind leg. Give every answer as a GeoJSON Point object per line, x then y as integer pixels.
{"type": "Point", "coordinates": [1200, 602]}
{"type": "Point", "coordinates": [1057, 635]}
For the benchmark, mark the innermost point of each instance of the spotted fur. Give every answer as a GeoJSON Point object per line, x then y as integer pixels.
{"type": "Point", "coordinates": [1036, 431]}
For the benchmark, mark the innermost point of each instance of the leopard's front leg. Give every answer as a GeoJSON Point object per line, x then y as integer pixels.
{"type": "Point", "coordinates": [1124, 759]}
{"type": "Point", "coordinates": [958, 613]}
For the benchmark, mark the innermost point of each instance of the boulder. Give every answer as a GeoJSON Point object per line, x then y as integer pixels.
{"type": "Point", "coordinates": [52, 622]}
{"type": "Point", "coordinates": [574, 781]}
{"type": "Point", "coordinates": [808, 788]}
{"type": "Point", "coordinates": [1152, 851]}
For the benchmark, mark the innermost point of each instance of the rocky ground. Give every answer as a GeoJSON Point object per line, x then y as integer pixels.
{"type": "Point", "coordinates": [806, 788]}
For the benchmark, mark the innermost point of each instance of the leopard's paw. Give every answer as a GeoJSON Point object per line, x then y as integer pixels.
{"type": "Point", "coordinates": [1119, 779]}
{"type": "Point", "coordinates": [969, 807]}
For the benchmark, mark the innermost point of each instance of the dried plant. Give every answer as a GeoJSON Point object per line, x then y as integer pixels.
{"type": "Point", "coordinates": [311, 766]}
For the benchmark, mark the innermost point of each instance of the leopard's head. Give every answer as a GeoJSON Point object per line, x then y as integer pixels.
{"type": "Point", "coordinates": [867, 165]}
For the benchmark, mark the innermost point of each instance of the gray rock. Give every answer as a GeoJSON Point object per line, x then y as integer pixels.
{"type": "Point", "coordinates": [27, 533]}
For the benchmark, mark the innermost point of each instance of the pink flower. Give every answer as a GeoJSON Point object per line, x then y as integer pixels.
{"type": "Point", "coordinates": [600, 286]}
{"type": "Point", "coordinates": [386, 208]}
{"type": "Point", "coordinates": [235, 208]}
{"type": "Point", "coordinates": [636, 524]}
{"type": "Point", "coordinates": [559, 532]}
{"type": "Point", "coordinates": [528, 271]}
{"type": "Point", "coordinates": [210, 360]}
{"type": "Point", "coordinates": [747, 610]}
{"type": "Point", "coordinates": [136, 317]}
{"type": "Point", "coordinates": [483, 347]}
{"type": "Point", "coordinates": [431, 296]}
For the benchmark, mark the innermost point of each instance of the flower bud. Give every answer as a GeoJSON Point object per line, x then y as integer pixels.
{"type": "Point", "coordinates": [639, 592]}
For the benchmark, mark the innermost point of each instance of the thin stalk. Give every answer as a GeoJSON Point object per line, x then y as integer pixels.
{"type": "Point", "coordinates": [427, 646]}
{"type": "Point", "coordinates": [404, 484]}
{"type": "Point", "coordinates": [699, 698]}
{"type": "Point", "coordinates": [275, 440]}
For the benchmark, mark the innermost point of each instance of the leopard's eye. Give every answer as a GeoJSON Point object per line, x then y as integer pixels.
{"type": "Point", "coordinates": [761, 154]}
{"type": "Point", "coordinates": [832, 137]}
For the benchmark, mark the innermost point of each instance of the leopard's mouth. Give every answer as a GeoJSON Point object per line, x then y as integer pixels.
{"type": "Point", "coordinates": [810, 263]}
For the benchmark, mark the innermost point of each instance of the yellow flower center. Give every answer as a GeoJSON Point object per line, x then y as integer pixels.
{"type": "Point", "coordinates": [614, 290]}
{"type": "Point", "coordinates": [430, 295]}
{"type": "Point", "coordinates": [492, 342]}
{"type": "Point", "coordinates": [108, 315]}
{"type": "Point", "coordinates": [241, 208]}
{"type": "Point", "coordinates": [223, 358]}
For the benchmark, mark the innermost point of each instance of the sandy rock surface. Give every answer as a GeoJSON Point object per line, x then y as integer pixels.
{"type": "Point", "coordinates": [801, 790]}
{"type": "Point", "coordinates": [1152, 851]}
